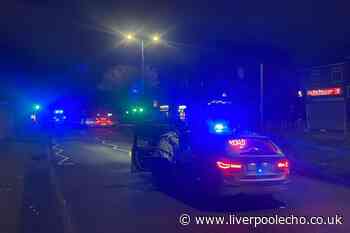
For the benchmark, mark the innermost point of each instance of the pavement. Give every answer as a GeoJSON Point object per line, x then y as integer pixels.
{"type": "Point", "coordinates": [27, 203]}
{"type": "Point", "coordinates": [11, 187]}
{"type": "Point", "coordinates": [100, 194]}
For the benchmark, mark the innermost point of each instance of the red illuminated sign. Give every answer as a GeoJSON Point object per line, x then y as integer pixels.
{"type": "Point", "coordinates": [238, 142]}
{"type": "Point", "coordinates": [334, 91]}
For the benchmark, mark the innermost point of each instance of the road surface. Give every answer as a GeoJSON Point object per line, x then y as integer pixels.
{"type": "Point", "coordinates": [101, 195]}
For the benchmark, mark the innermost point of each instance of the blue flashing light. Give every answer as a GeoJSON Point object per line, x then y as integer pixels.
{"type": "Point", "coordinates": [219, 127]}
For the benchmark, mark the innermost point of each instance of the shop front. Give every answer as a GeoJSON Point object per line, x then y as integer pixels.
{"type": "Point", "coordinates": [326, 109]}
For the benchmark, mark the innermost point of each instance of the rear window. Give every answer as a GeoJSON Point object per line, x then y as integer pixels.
{"type": "Point", "coordinates": [253, 146]}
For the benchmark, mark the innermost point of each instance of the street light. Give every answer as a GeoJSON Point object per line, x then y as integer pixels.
{"type": "Point", "coordinates": [129, 36]}
{"type": "Point", "coordinates": [154, 38]}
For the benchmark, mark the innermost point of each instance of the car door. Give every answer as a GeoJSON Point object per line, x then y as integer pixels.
{"type": "Point", "coordinates": [146, 145]}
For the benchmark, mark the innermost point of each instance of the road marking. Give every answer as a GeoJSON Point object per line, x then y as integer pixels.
{"type": "Point", "coordinates": [65, 210]}
{"type": "Point", "coordinates": [116, 147]}
{"type": "Point", "coordinates": [64, 158]}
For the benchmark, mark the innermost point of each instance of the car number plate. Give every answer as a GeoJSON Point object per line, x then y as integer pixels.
{"type": "Point", "coordinates": [251, 167]}
{"type": "Point", "coordinates": [258, 168]}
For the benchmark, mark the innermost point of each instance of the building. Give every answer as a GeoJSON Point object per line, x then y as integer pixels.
{"type": "Point", "coordinates": [327, 96]}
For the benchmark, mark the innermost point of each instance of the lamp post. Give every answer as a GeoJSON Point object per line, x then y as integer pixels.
{"type": "Point", "coordinates": [143, 65]}
{"type": "Point", "coordinates": [154, 39]}
{"type": "Point", "coordinates": [262, 96]}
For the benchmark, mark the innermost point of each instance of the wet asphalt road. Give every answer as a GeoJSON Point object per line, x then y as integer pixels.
{"type": "Point", "coordinates": [93, 176]}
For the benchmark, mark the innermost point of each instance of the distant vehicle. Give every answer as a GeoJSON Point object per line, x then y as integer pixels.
{"type": "Point", "coordinates": [101, 120]}
{"type": "Point", "coordinates": [210, 154]}
{"type": "Point", "coordinates": [90, 121]}
{"type": "Point", "coordinates": [104, 121]}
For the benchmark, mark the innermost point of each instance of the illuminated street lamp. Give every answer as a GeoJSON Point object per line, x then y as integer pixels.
{"type": "Point", "coordinates": [129, 36]}
{"type": "Point", "coordinates": [154, 39]}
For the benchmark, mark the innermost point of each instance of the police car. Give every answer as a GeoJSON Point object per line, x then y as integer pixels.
{"type": "Point", "coordinates": [210, 154]}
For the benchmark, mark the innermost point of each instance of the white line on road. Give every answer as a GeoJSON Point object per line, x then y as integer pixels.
{"type": "Point", "coordinates": [115, 147]}
{"type": "Point", "coordinates": [64, 158]}
{"type": "Point", "coordinates": [64, 208]}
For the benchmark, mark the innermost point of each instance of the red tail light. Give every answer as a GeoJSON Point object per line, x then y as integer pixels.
{"type": "Point", "coordinates": [229, 165]}
{"type": "Point", "coordinates": [283, 164]}
{"type": "Point", "coordinates": [103, 121]}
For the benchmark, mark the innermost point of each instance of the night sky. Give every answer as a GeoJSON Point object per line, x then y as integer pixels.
{"type": "Point", "coordinates": [44, 37]}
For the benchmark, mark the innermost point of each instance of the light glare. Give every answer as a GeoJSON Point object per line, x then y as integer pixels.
{"type": "Point", "coordinates": [129, 36]}
{"type": "Point", "coordinates": [155, 38]}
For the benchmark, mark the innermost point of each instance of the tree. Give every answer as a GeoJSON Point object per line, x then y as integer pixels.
{"type": "Point", "coordinates": [122, 78]}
